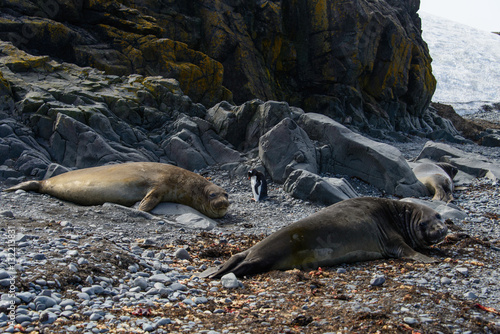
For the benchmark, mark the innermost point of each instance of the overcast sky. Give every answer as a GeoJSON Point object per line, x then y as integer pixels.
{"type": "Point", "coordinates": [480, 14]}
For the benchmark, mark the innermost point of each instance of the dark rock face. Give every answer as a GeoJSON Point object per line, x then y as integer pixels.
{"type": "Point", "coordinates": [360, 62]}
{"type": "Point", "coordinates": [364, 61]}
{"type": "Point", "coordinates": [80, 117]}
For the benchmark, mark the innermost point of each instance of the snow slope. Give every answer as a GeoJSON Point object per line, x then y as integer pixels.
{"type": "Point", "coordinates": [466, 63]}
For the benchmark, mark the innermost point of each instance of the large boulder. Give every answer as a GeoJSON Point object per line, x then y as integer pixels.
{"type": "Point", "coordinates": [360, 61]}
{"type": "Point", "coordinates": [287, 147]}
{"type": "Point", "coordinates": [307, 186]}
{"type": "Point", "coordinates": [348, 153]}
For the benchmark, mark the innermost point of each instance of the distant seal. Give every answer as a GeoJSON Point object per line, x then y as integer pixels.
{"type": "Point", "coordinates": [438, 178]}
{"type": "Point", "coordinates": [259, 185]}
{"type": "Point", "coordinates": [128, 183]}
{"type": "Point", "coordinates": [358, 229]}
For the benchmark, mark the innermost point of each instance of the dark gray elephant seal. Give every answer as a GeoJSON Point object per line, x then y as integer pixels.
{"type": "Point", "coordinates": [358, 229]}
{"type": "Point", "coordinates": [438, 178]}
{"type": "Point", "coordinates": [129, 183]}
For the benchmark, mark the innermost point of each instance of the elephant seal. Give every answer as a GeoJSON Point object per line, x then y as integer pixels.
{"type": "Point", "coordinates": [438, 178]}
{"type": "Point", "coordinates": [358, 229]}
{"type": "Point", "coordinates": [129, 183]}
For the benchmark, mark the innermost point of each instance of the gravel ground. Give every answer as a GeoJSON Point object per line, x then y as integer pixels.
{"type": "Point", "coordinates": [109, 269]}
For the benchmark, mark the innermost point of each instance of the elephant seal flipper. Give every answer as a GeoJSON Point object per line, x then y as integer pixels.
{"type": "Point", "coordinates": [419, 257]}
{"type": "Point", "coordinates": [152, 199]}
{"type": "Point", "coordinates": [358, 229]}
{"type": "Point", "coordinates": [230, 265]}
{"type": "Point", "coordinates": [407, 252]}
{"type": "Point", "coordinates": [26, 186]}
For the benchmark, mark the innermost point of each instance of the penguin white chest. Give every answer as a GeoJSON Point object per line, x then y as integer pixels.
{"type": "Point", "coordinates": [256, 187]}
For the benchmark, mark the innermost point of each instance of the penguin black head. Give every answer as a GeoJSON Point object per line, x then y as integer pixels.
{"type": "Point", "coordinates": [252, 172]}
{"type": "Point", "coordinates": [258, 184]}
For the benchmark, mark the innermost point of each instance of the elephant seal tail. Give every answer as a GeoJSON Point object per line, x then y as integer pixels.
{"type": "Point", "coordinates": [231, 266]}
{"type": "Point", "coordinates": [27, 186]}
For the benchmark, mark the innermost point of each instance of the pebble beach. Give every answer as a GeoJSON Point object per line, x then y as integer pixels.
{"type": "Point", "coordinates": [109, 269]}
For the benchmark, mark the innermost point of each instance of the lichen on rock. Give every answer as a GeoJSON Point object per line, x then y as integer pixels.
{"type": "Point", "coordinates": [361, 62]}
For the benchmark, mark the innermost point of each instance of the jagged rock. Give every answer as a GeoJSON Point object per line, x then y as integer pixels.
{"type": "Point", "coordinates": [335, 57]}
{"type": "Point", "coordinates": [307, 186]}
{"type": "Point", "coordinates": [187, 150]}
{"type": "Point", "coordinates": [467, 128]}
{"type": "Point", "coordinates": [287, 147]}
{"type": "Point", "coordinates": [116, 39]}
{"type": "Point", "coordinates": [19, 150]}
{"type": "Point", "coordinates": [31, 162]}
{"type": "Point", "coordinates": [11, 176]}
{"type": "Point", "coordinates": [472, 164]}
{"type": "Point", "coordinates": [221, 152]}
{"type": "Point", "coordinates": [359, 61]}
{"type": "Point", "coordinates": [243, 125]}
{"type": "Point", "coordinates": [102, 125]}
{"type": "Point", "coordinates": [348, 153]}
{"type": "Point", "coordinates": [86, 118]}
{"type": "Point", "coordinates": [197, 146]}
{"type": "Point", "coordinates": [76, 144]}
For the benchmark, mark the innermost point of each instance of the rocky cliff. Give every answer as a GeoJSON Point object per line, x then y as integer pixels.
{"type": "Point", "coordinates": [77, 117]}
{"type": "Point", "coordinates": [90, 83]}
{"type": "Point", "coordinates": [360, 62]}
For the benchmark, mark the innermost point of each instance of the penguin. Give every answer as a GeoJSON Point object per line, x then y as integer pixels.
{"type": "Point", "coordinates": [259, 185]}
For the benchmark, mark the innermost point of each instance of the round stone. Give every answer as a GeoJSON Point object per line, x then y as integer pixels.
{"type": "Point", "coordinates": [182, 254]}
{"type": "Point", "coordinates": [377, 281]}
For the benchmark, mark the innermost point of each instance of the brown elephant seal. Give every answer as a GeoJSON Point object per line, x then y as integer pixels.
{"type": "Point", "coordinates": [129, 183]}
{"type": "Point", "coordinates": [358, 229]}
{"type": "Point", "coordinates": [438, 178]}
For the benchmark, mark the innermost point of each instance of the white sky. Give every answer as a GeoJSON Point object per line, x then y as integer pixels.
{"type": "Point", "coordinates": [480, 14]}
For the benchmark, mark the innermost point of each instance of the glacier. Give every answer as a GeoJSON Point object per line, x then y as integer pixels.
{"type": "Point", "coordinates": [466, 63]}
